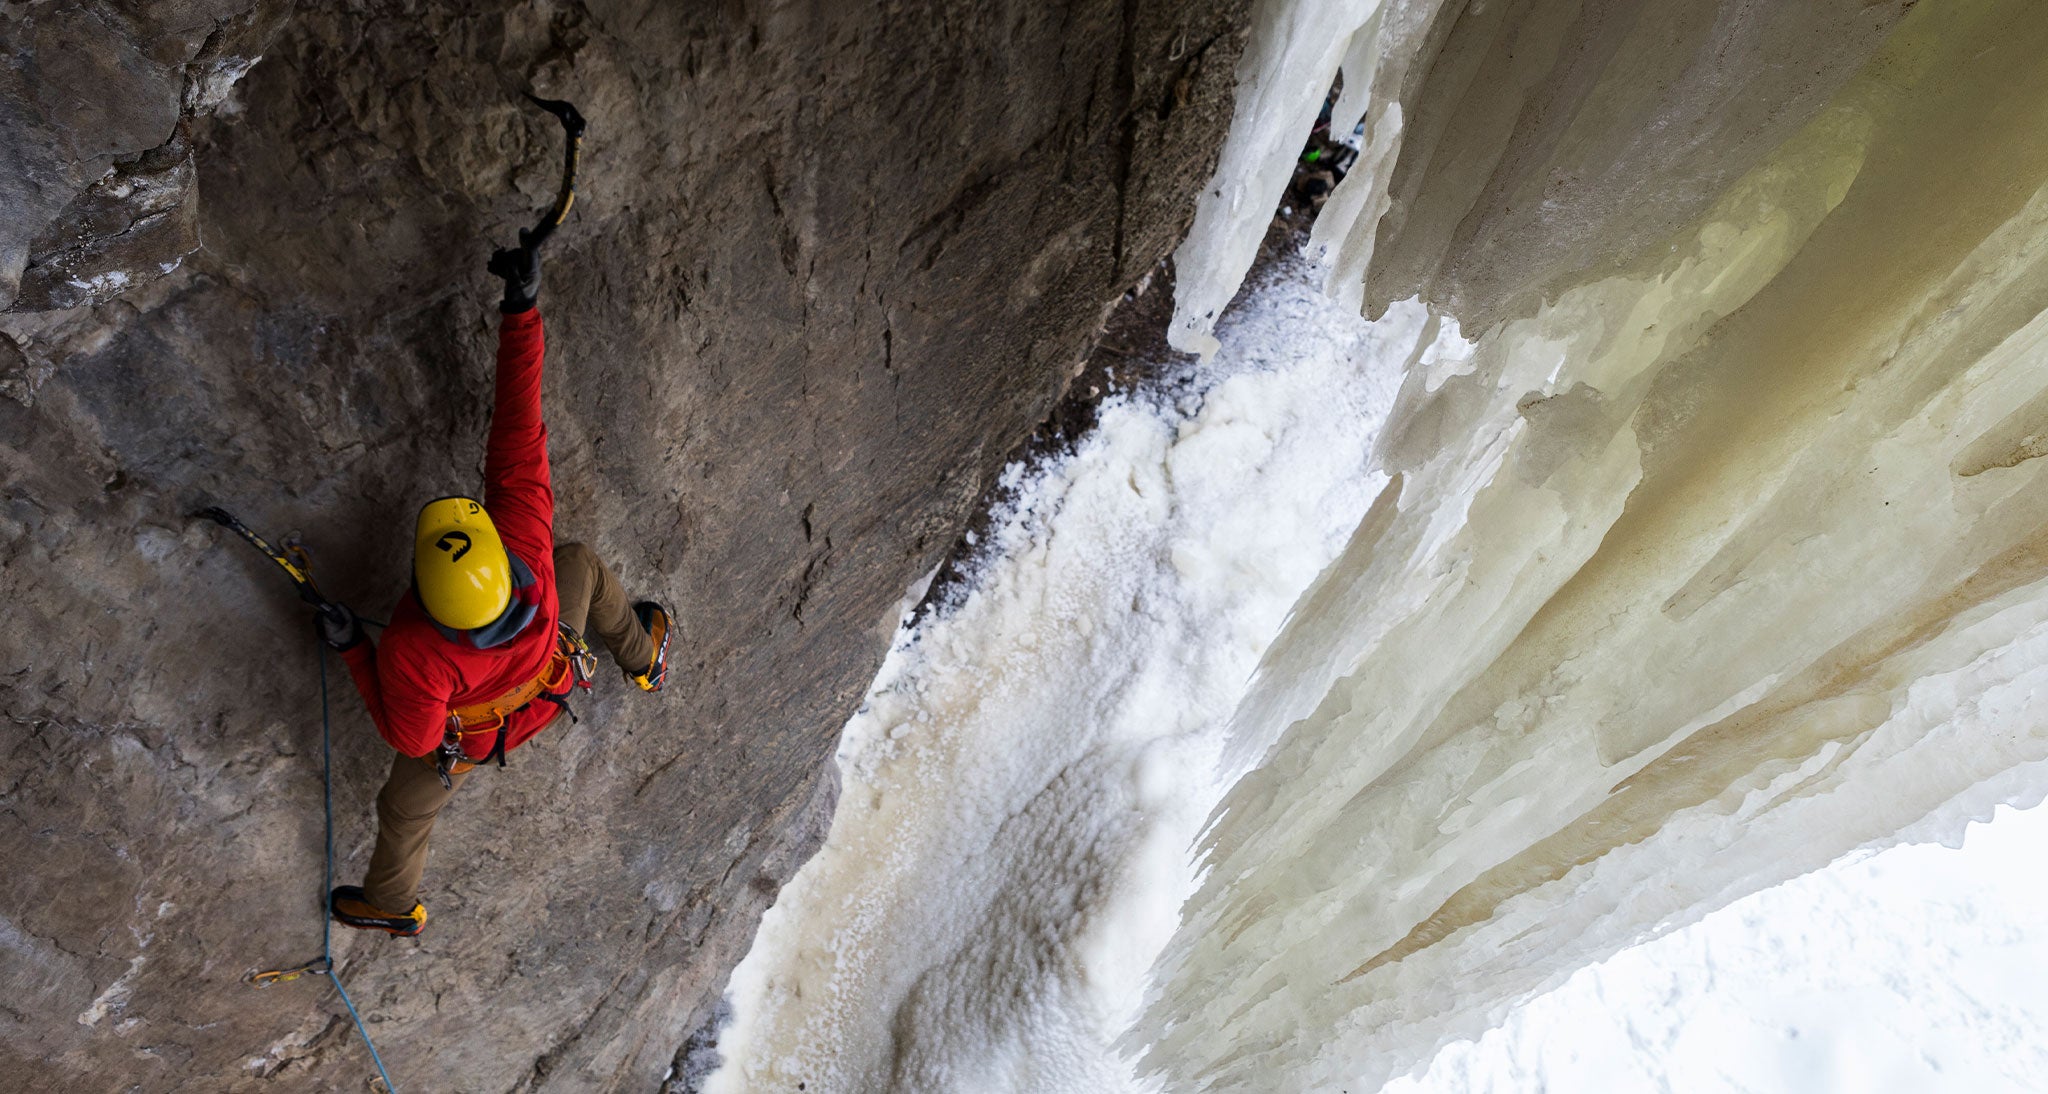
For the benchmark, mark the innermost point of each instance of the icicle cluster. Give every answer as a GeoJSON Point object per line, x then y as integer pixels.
{"type": "Point", "coordinates": [1718, 565]}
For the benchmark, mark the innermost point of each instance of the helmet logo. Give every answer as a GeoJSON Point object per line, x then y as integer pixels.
{"type": "Point", "coordinates": [447, 543]}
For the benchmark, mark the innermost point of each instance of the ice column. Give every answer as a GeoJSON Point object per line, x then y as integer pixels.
{"type": "Point", "coordinates": [1718, 565]}
{"type": "Point", "coordinates": [1295, 52]}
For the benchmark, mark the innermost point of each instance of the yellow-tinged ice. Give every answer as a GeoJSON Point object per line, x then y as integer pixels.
{"type": "Point", "coordinates": [1723, 561]}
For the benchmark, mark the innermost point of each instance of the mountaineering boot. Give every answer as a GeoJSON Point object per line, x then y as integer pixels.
{"type": "Point", "coordinates": [654, 619]}
{"type": "Point", "coordinates": [349, 908]}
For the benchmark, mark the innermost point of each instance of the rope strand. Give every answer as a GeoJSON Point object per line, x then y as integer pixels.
{"type": "Point", "coordinates": [327, 877]}
{"type": "Point", "coordinates": [299, 564]}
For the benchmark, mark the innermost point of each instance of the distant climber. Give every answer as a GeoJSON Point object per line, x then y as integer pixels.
{"type": "Point", "coordinates": [482, 653]}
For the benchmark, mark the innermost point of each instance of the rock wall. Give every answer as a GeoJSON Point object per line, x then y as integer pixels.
{"type": "Point", "coordinates": [96, 161]}
{"type": "Point", "coordinates": [828, 265]}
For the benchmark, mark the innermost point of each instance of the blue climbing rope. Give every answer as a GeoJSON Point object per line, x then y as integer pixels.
{"type": "Point", "coordinates": [299, 565]}
{"type": "Point", "coordinates": [327, 876]}
{"type": "Point", "coordinates": [324, 964]}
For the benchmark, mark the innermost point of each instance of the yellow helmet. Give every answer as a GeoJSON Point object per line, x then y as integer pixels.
{"type": "Point", "coordinates": [459, 564]}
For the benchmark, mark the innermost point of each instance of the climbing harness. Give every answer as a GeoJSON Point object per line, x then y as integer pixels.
{"type": "Point", "coordinates": [570, 667]}
{"type": "Point", "coordinates": [572, 127]}
{"type": "Point", "coordinates": [299, 564]}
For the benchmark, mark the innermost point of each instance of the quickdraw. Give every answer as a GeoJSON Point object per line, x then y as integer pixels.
{"type": "Point", "coordinates": [581, 659]}
{"type": "Point", "coordinates": [319, 966]}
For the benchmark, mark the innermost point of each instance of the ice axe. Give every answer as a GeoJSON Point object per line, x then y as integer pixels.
{"type": "Point", "coordinates": [572, 127]}
{"type": "Point", "coordinates": [291, 556]}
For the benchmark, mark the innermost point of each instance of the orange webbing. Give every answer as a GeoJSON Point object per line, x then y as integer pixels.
{"type": "Point", "coordinates": [486, 717]}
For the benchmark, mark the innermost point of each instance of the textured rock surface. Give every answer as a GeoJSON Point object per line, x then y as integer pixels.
{"type": "Point", "coordinates": [827, 268]}
{"type": "Point", "coordinates": [96, 166]}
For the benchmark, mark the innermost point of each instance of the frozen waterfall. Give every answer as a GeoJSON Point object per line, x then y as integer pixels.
{"type": "Point", "coordinates": [1701, 566]}
{"type": "Point", "coordinates": [1025, 776]}
{"type": "Point", "coordinates": [1699, 572]}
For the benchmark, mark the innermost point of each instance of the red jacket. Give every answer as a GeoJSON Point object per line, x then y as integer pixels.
{"type": "Point", "coordinates": [412, 679]}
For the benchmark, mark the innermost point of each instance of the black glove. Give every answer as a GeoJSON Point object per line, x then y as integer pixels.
{"type": "Point", "coordinates": [339, 627]}
{"type": "Point", "coordinates": [520, 267]}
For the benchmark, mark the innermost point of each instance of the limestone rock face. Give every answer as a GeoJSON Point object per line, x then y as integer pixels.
{"type": "Point", "coordinates": [828, 265]}
{"type": "Point", "coordinates": [96, 164]}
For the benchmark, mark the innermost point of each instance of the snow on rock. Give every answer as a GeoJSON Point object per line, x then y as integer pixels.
{"type": "Point", "coordinates": [1025, 776]}
{"type": "Point", "coordinates": [1712, 564]}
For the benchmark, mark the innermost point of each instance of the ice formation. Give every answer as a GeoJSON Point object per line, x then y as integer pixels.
{"type": "Point", "coordinates": [1705, 567]}
{"type": "Point", "coordinates": [1024, 778]}
{"type": "Point", "coordinates": [1718, 553]}
{"type": "Point", "coordinates": [1920, 968]}
{"type": "Point", "coordinates": [1286, 69]}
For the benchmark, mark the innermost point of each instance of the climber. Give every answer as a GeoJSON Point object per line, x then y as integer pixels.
{"type": "Point", "coordinates": [481, 654]}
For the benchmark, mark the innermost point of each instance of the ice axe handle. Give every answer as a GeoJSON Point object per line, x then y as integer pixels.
{"type": "Point", "coordinates": [573, 126]}
{"type": "Point", "coordinates": [322, 605]}
{"type": "Point", "coordinates": [292, 557]}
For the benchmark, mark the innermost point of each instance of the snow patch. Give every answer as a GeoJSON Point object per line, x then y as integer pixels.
{"type": "Point", "coordinates": [112, 281]}
{"type": "Point", "coordinates": [1917, 969]}
{"type": "Point", "coordinates": [116, 995]}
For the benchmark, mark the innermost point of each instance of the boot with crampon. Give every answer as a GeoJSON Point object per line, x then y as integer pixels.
{"type": "Point", "coordinates": [350, 909]}
{"type": "Point", "coordinates": [654, 619]}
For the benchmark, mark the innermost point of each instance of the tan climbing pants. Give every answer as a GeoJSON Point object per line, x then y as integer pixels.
{"type": "Point", "coordinates": [412, 797]}
{"type": "Point", "coordinates": [594, 603]}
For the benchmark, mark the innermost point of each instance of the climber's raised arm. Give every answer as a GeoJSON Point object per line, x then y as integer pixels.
{"type": "Point", "coordinates": [517, 488]}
